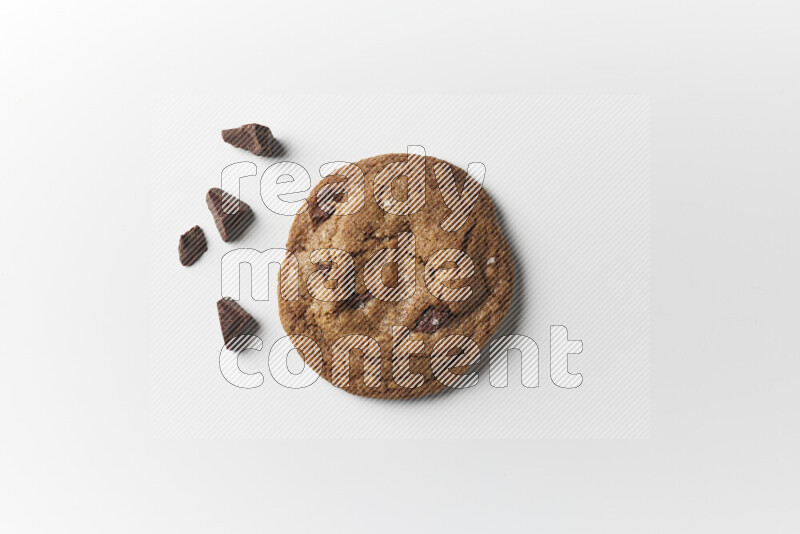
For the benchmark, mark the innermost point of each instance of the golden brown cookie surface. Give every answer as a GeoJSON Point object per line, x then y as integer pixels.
{"type": "Point", "coordinates": [433, 311]}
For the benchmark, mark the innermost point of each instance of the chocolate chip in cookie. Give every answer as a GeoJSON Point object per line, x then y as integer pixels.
{"type": "Point", "coordinates": [432, 319]}
{"type": "Point", "coordinates": [328, 198]}
{"type": "Point", "coordinates": [317, 214]}
{"type": "Point", "coordinates": [357, 300]}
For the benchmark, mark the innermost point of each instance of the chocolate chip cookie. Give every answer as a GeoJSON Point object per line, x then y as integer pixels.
{"type": "Point", "coordinates": [404, 275]}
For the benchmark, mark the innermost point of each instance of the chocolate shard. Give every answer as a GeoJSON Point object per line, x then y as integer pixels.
{"type": "Point", "coordinates": [192, 245]}
{"type": "Point", "coordinates": [432, 319]}
{"type": "Point", "coordinates": [232, 216]}
{"type": "Point", "coordinates": [234, 322]}
{"type": "Point", "coordinates": [256, 138]}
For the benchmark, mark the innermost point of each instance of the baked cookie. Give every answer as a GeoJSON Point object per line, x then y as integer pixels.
{"type": "Point", "coordinates": [389, 214]}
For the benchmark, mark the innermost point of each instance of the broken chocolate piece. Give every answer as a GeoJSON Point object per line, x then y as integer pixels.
{"type": "Point", "coordinates": [323, 266]}
{"type": "Point", "coordinates": [234, 322]}
{"type": "Point", "coordinates": [192, 245]}
{"type": "Point", "coordinates": [256, 138]}
{"type": "Point", "coordinates": [432, 319]}
{"type": "Point", "coordinates": [230, 225]}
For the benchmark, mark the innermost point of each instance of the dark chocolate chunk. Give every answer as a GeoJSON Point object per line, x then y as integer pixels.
{"type": "Point", "coordinates": [432, 319]}
{"type": "Point", "coordinates": [234, 322]}
{"type": "Point", "coordinates": [253, 137]}
{"type": "Point", "coordinates": [356, 301]}
{"type": "Point", "coordinates": [192, 245]}
{"type": "Point", "coordinates": [323, 266]}
{"type": "Point", "coordinates": [317, 214]}
{"type": "Point", "coordinates": [230, 225]}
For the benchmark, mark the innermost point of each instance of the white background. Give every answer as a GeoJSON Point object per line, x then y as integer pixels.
{"type": "Point", "coordinates": [77, 449]}
{"type": "Point", "coordinates": [569, 176]}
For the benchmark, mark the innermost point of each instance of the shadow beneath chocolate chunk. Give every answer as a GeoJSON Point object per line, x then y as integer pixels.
{"type": "Point", "coordinates": [238, 228]}
{"type": "Point", "coordinates": [278, 149]}
{"type": "Point", "coordinates": [243, 340]}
